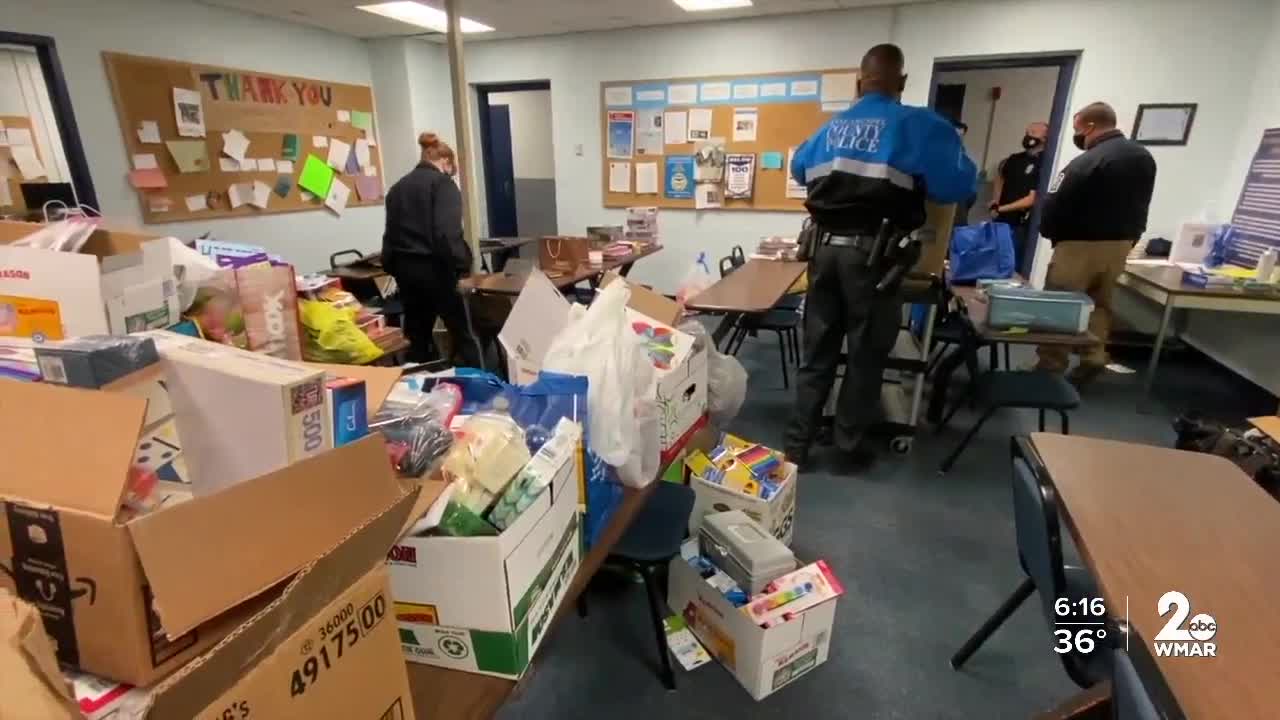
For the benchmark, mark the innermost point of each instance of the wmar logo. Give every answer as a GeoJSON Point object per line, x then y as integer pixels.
{"type": "Point", "coordinates": [1174, 640]}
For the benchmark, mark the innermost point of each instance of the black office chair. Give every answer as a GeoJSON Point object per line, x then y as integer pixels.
{"type": "Point", "coordinates": [1030, 389]}
{"type": "Point", "coordinates": [1035, 514]}
{"type": "Point", "coordinates": [1129, 697]}
{"type": "Point", "coordinates": [647, 546]}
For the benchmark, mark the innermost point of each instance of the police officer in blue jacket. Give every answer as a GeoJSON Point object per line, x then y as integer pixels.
{"type": "Point", "coordinates": [869, 169]}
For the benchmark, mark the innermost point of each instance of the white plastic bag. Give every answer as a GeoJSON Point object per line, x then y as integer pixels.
{"type": "Point", "coordinates": [726, 378]}
{"type": "Point", "coordinates": [646, 453]}
{"type": "Point", "coordinates": [698, 278]}
{"type": "Point", "coordinates": [599, 343]}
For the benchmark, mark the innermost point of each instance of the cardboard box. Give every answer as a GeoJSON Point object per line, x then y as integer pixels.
{"type": "Point", "coordinates": [32, 685]}
{"type": "Point", "coordinates": [483, 604]}
{"type": "Point", "coordinates": [134, 598]}
{"type": "Point", "coordinates": [58, 294]}
{"type": "Point", "coordinates": [325, 646]}
{"type": "Point", "coordinates": [762, 660]}
{"type": "Point", "coordinates": [240, 413]}
{"type": "Point", "coordinates": [777, 514]}
{"type": "Point", "coordinates": [539, 314]}
{"type": "Point", "coordinates": [139, 289]}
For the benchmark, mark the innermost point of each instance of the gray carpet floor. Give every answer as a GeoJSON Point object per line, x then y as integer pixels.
{"type": "Point", "coordinates": [924, 558]}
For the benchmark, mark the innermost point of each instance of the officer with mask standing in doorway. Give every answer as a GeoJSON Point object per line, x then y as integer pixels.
{"type": "Point", "coordinates": [868, 172]}
{"type": "Point", "coordinates": [1015, 188]}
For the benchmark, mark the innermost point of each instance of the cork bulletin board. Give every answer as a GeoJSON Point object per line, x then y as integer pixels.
{"type": "Point", "coordinates": [789, 108]}
{"type": "Point", "coordinates": [9, 173]}
{"type": "Point", "coordinates": [266, 108]}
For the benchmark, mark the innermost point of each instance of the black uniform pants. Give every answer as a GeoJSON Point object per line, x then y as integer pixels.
{"type": "Point", "coordinates": [841, 304]}
{"type": "Point", "coordinates": [429, 289]}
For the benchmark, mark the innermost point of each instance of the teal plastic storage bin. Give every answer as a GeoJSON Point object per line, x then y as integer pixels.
{"type": "Point", "coordinates": [1039, 310]}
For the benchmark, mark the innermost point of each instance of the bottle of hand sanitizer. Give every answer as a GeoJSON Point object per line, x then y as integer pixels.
{"type": "Point", "coordinates": [1267, 265]}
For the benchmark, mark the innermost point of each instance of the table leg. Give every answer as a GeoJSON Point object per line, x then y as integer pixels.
{"type": "Point", "coordinates": [942, 382]}
{"type": "Point", "coordinates": [1149, 382]}
{"type": "Point", "coordinates": [626, 269]}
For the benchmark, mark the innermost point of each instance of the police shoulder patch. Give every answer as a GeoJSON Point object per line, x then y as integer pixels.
{"type": "Point", "coordinates": [1057, 181]}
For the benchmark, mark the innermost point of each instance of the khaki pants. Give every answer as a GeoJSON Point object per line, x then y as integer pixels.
{"type": "Point", "coordinates": [1090, 267]}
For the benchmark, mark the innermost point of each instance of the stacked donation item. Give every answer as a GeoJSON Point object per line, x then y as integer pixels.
{"type": "Point", "coordinates": [142, 550]}
{"type": "Point", "coordinates": [737, 589]}
{"type": "Point", "coordinates": [339, 328]}
{"type": "Point", "coordinates": [776, 248]}
{"type": "Point", "coordinates": [737, 474]}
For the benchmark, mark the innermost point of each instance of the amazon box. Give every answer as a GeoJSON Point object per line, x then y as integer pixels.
{"type": "Point", "coordinates": [134, 597]}
{"type": "Point", "coordinates": [326, 648]}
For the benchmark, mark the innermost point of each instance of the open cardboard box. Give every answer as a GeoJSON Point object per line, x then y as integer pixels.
{"type": "Point", "coordinates": [763, 660]}
{"type": "Point", "coordinates": [33, 685]}
{"type": "Point", "coordinates": [325, 646]}
{"type": "Point", "coordinates": [133, 599]}
{"type": "Point", "coordinates": [484, 604]}
{"type": "Point", "coordinates": [132, 287]}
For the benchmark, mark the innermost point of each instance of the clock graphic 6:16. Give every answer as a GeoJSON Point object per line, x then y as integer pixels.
{"type": "Point", "coordinates": [1079, 624]}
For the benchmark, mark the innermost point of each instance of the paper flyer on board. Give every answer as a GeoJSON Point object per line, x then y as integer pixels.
{"type": "Point", "coordinates": [740, 175]}
{"type": "Point", "coordinates": [794, 189]}
{"type": "Point", "coordinates": [679, 177]}
{"type": "Point", "coordinates": [649, 140]}
{"type": "Point", "coordinates": [622, 132]}
{"type": "Point", "coordinates": [188, 112]}
{"type": "Point", "coordinates": [746, 121]}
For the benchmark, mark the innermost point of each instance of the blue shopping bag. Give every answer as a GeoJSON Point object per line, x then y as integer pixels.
{"type": "Point", "coordinates": [538, 407]}
{"type": "Point", "coordinates": [981, 252]}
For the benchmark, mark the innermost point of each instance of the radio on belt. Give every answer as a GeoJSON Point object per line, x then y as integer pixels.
{"type": "Point", "coordinates": [747, 552]}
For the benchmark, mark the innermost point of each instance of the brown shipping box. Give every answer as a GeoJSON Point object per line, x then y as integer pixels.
{"type": "Point", "coordinates": [327, 647]}
{"type": "Point", "coordinates": [30, 683]}
{"type": "Point", "coordinates": [135, 599]}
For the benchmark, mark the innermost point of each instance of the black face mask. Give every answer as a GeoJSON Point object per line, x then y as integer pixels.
{"type": "Point", "coordinates": [1030, 143]}
{"type": "Point", "coordinates": [1078, 139]}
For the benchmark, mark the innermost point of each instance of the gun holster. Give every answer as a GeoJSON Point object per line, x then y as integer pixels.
{"type": "Point", "coordinates": [807, 242]}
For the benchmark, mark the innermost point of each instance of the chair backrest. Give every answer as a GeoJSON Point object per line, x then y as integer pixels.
{"type": "Point", "coordinates": [726, 266]}
{"type": "Point", "coordinates": [738, 257]}
{"type": "Point", "coordinates": [1035, 516]}
{"type": "Point", "coordinates": [1129, 697]}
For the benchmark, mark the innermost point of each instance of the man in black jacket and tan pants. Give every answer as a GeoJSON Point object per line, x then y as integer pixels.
{"type": "Point", "coordinates": [1095, 212]}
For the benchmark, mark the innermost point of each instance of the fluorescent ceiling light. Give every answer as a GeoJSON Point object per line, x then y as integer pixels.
{"type": "Point", "coordinates": [415, 13]}
{"type": "Point", "coordinates": [700, 5]}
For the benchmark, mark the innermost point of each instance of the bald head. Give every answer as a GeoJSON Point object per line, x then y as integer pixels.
{"type": "Point", "coordinates": [1091, 121]}
{"type": "Point", "coordinates": [881, 71]}
{"type": "Point", "coordinates": [1099, 114]}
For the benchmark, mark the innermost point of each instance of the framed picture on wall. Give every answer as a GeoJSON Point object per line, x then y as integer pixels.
{"type": "Point", "coordinates": [1164, 123]}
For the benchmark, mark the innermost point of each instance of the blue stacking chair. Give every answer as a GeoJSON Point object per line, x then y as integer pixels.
{"type": "Point", "coordinates": [1035, 514]}
{"type": "Point", "coordinates": [647, 546]}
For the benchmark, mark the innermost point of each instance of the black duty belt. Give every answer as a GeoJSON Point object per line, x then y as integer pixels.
{"type": "Point", "coordinates": [865, 243]}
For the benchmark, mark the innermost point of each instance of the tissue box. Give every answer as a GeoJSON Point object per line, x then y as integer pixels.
{"type": "Point", "coordinates": [94, 361]}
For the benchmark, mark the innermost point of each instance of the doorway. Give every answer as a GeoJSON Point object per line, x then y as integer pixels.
{"type": "Point", "coordinates": [42, 162]}
{"type": "Point", "coordinates": [996, 97]}
{"type": "Point", "coordinates": [517, 150]}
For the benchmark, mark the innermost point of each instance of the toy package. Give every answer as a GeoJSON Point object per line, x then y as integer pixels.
{"type": "Point", "coordinates": [749, 468]}
{"type": "Point", "coordinates": [269, 301]}
{"type": "Point", "coordinates": [794, 593]}
{"type": "Point", "coordinates": [217, 311]}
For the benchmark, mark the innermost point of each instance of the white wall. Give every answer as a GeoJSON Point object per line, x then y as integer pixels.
{"type": "Point", "coordinates": [181, 29]}
{"type": "Point", "coordinates": [577, 64]}
{"type": "Point", "coordinates": [532, 148]}
{"type": "Point", "coordinates": [1133, 51]}
{"type": "Point", "coordinates": [1248, 344]}
{"type": "Point", "coordinates": [1026, 97]}
{"type": "Point", "coordinates": [23, 92]}
{"type": "Point", "coordinates": [397, 133]}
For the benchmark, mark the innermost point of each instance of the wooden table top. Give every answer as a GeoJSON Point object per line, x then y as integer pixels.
{"type": "Point", "coordinates": [441, 693]}
{"type": "Point", "coordinates": [504, 284]}
{"type": "Point", "coordinates": [1169, 279]}
{"type": "Point", "coordinates": [505, 243]}
{"type": "Point", "coordinates": [975, 302]}
{"type": "Point", "coordinates": [753, 288]}
{"type": "Point", "coordinates": [1149, 520]}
